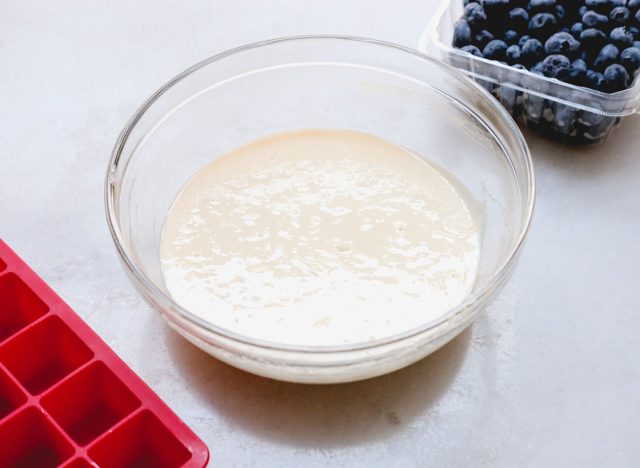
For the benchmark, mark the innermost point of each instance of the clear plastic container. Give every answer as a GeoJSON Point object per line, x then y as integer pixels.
{"type": "Point", "coordinates": [561, 111]}
{"type": "Point", "coordinates": [319, 82]}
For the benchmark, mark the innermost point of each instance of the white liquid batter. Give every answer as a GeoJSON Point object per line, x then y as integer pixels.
{"type": "Point", "coordinates": [319, 237]}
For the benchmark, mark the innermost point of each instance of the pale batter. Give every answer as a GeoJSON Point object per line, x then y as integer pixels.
{"type": "Point", "coordinates": [319, 237]}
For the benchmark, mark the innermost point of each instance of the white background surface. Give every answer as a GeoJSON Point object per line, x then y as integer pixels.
{"type": "Point", "coordinates": [549, 376]}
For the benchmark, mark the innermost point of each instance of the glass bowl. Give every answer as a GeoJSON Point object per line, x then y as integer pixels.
{"type": "Point", "coordinates": [319, 82]}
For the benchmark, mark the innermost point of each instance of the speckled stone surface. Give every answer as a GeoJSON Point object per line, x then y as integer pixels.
{"type": "Point", "coordinates": [549, 376]}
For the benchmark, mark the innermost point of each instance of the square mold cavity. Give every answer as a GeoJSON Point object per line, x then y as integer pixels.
{"type": "Point", "coordinates": [29, 440]}
{"type": "Point", "coordinates": [141, 441]}
{"type": "Point", "coordinates": [89, 403]}
{"type": "Point", "coordinates": [44, 354]}
{"type": "Point", "coordinates": [19, 305]}
{"type": "Point", "coordinates": [11, 397]}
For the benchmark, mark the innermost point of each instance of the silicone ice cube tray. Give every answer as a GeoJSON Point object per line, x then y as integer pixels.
{"type": "Point", "coordinates": [66, 399]}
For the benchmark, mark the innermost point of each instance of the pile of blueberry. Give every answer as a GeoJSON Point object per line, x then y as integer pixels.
{"type": "Point", "coordinates": [591, 43]}
{"type": "Point", "coordinates": [588, 43]}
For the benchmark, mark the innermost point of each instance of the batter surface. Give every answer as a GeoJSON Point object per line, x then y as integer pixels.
{"type": "Point", "coordinates": [319, 237]}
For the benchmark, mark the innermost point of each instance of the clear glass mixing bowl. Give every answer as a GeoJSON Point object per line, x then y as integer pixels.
{"type": "Point", "coordinates": [319, 82]}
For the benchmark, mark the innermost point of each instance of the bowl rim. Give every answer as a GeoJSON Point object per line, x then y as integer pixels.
{"type": "Point", "coordinates": [152, 292]}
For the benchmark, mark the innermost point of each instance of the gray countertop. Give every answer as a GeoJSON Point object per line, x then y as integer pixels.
{"type": "Point", "coordinates": [549, 376]}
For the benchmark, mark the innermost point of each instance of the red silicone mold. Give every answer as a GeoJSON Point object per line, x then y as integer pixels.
{"type": "Point", "coordinates": [66, 399]}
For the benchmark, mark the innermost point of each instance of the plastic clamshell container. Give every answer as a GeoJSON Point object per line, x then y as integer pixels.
{"type": "Point", "coordinates": [66, 399]}
{"type": "Point", "coordinates": [558, 110]}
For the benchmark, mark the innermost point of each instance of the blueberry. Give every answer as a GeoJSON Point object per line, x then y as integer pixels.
{"type": "Point", "coordinates": [584, 57]}
{"type": "Point", "coordinates": [620, 16]}
{"type": "Point", "coordinates": [592, 40]}
{"type": "Point", "coordinates": [630, 59]}
{"type": "Point", "coordinates": [616, 78]}
{"type": "Point", "coordinates": [511, 37]}
{"type": "Point", "coordinates": [576, 29]}
{"type": "Point", "coordinates": [473, 50]}
{"type": "Point", "coordinates": [633, 4]}
{"type": "Point", "coordinates": [538, 69]}
{"type": "Point", "coordinates": [607, 56]}
{"type": "Point", "coordinates": [636, 44]}
{"type": "Point", "coordinates": [513, 54]}
{"type": "Point", "coordinates": [519, 66]}
{"type": "Point", "coordinates": [532, 52]}
{"type": "Point", "coordinates": [595, 80]}
{"type": "Point", "coordinates": [582, 10]}
{"type": "Point", "coordinates": [522, 40]}
{"type": "Point", "coordinates": [564, 118]}
{"type": "Point", "coordinates": [482, 38]}
{"type": "Point", "coordinates": [542, 25]}
{"type": "Point", "coordinates": [461, 34]}
{"type": "Point", "coordinates": [518, 19]}
{"type": "Point", "coordinates": [561, 14]}
{"type": "Point", "coordinates": [637, 17]}
{"type": "Point", "coordinates": [533, 107]}
{"type": "Point", "coordinates": [507, 97]}
{"type": "Point", "coordinates": [547, 111]}
{"type": "Point", "coordinates": [600, 131]}
{"type": "Point", "coordinates": [495, 50]}
{"type": "Point", "coordinates": [562, 43]}
{"type": "Point", "coordinates": [621, 37]}
{"type": "Point", "coordinates": [635, 32]}
{"type": "Point", "coordinates": [474, 14]}
{"type": "Point", "coordinates": [542, 6]}
{"type": "Point", "coordinates": [556, 66]}
{"type": "Point", "coordinates": [591, 19]}
{"type": "Point", "coordinates": [590, 119]}
{"type": "Point", "coordinates": [578, 72]}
